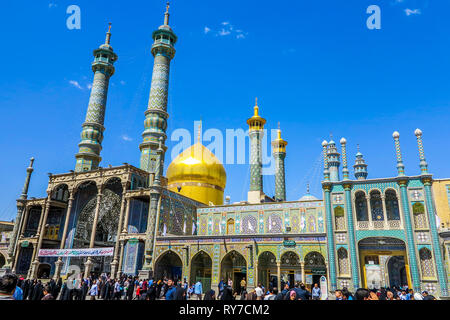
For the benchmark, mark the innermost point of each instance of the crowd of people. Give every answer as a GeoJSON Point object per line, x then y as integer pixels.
{"type": "Point", "coordinates": [131, 288]}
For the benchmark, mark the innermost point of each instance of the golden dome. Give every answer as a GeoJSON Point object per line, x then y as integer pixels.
{"type": "Point", "coordinates": [198, 174]}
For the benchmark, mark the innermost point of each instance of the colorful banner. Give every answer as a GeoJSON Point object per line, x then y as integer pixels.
{"type": "Point", "coordinates": [94, 252]}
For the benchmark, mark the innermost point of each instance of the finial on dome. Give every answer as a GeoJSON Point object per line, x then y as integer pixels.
{"type": "Point", "coordinates": [256, 107]}
{"type": "Point", "coordinates": [199, 133]}
{"type": "Point", "coordinates": [307, 188]}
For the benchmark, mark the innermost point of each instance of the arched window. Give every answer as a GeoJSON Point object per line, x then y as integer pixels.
{"type": "Point", "coordinates": [339, 218]}
{"type": "Point", "coordinates": [230, 226]}
{"type": "Point", "coordinates": [376, 206]}
{"type": "Point", "coordinates": [392, 210]}
{"type": "Point", "coordinates": [426, 263]}
{"type": "Point", "coordinates": [344, 268]}
{"type": "Point", "coordinates": [420, 221]}
{"type": "Point", "coordinates": [361, 207]}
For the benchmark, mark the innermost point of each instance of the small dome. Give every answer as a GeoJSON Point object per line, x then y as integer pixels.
{"type": "Point", "coordinates": [418, 132]}
{"type": "Point", "coordinates": [324, 143]}
{"type": "Point", "coordinates": [199, 175]}
{"type": "Point", "coordinates": [308, 197]}
{"type": "Point", "coordinates": [396, 135]}
{"type": "Point", "coordinates": [343, 141]}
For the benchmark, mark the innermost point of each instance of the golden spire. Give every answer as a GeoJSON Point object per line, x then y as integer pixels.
{"type": "Point", "coordinates": [108, 35]}
{"type": "Point", "coordinates": [279, 131]}
{"type": "Point", "coordinates": [256, 108]}
{"type": "Point", "coordinates": [199, 133]}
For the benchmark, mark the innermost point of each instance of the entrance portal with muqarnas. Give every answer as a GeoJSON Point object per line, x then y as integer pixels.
{"type": "Point", "coordinates": [384, 263]}
{"type": "Point", "coordinates": [234, 267]}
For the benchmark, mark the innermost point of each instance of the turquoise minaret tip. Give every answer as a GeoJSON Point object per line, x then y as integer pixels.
{"type": "Point", "coordinates": [88, 157]}
{"type": "Point", "coordinates": [360, 166]}
{"type": "Point", "coordinates": [423, 162]}
{"type": "Point", "coordinates": [398, 152]}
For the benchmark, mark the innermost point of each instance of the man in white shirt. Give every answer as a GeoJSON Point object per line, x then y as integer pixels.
{"type": "Point", "coordinates": [259, 292]}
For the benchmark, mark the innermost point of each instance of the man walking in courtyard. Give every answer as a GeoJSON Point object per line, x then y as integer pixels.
{"type": "Point", "coordinates": [198, 290]}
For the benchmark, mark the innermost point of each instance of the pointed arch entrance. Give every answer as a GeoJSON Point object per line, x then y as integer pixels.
{"type": "Point", "coordinates": [234, 267]}
{"type": "Point", "coordinates": [201, 270]}
{"type": "Point", "coordinates": [315, 268]}
{"type": "Point", "coordinates": [291, 271]}
{"type": "Point", "coordinates": [168, 265]}
{"type": "Point", "coordinates": [267, 269]}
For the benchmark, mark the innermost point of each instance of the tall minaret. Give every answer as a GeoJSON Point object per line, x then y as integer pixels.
{"type": "Point", "coordinates": [326, 171]}
{"type": "Point", "coordinates": [360, 166]}
{"type": "Point", "coordinates": [88, 156]}
{"type": "Point", "coordinates": [279, 153]}
{"type": "Point", "coordinates": [12, 250]}
{"type": "Point", "coordinates": [333, 157]}
{"type": "Point", "coordinates": [156, 115]}
{"type": "Point", "coordinates": [423, 161]}
{"type": "Point", "coordinates": [256, 133]}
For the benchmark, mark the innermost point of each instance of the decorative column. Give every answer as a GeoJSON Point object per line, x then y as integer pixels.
{"type": "Point", "coordinates": [400, 165]}
{"type": "Point", "coordinates": [427, 182]}
{"type": "Point", "coordinates": [302, 266]}
{"type": "Point", "coordinates": [155, 123]}
{"type": "Point", "coordinates": [279, 153]}
{"type": "Point", "coordinates": [25, 222]}
{"type": "Point", "coordinates": [333, 161]}
{"type": "Point", "coordinates": [423, 161]}
{"type": "Point", "coordinates": [59, 263]}
{"type": "Point", "coordinates": [127, 214]}
{"type": "Point", "coordinates": [409, 235]}
{"type": "Point", "coordinates": [256, 134]}
{"type": "Point", "coordinates": [88, 156]}
{"type": "Point", "coordinates": [21, 206]}
{"type": "Point", "coordinates": [115, 262]}
{"type": "Point", "coordinates": [330, 236]}
{"type": "Point", "coordinates": [351, 236]}
{"type": "Point", "coordinates": [279, 275]}
{"type": "Point", "coordinates": [345, 172]}
{"type": "Point", "coordinates": [40, 236]}
{"type": "Point", "coordinates": [88, 263]}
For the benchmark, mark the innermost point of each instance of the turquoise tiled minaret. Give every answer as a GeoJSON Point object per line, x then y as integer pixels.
{"type": "Point", "coordinates": [326, 185]}
{"type": "Point", "coordinates": [345, 172]}
{"type": "Point", "coordinates": [400, 165]}
{"type": "Point", "coordinates": [360, 167]}
{"type": "Point", "coordinates": [427, 182]}
{"type": "Point", "coordinates": [326, 171]}
{"type": "Point", "coordinates": [88, 156]}
{"type": "Point", "coordinates": [256, 133]}
{"type": "Point", "coordinates": [333, 158]}
{"type": "Point", "coordinates": [155, 123]}
{"type": "Point", "coordinates": [279, 153]}
{"type": "Point", "coordinates": [403, 184]}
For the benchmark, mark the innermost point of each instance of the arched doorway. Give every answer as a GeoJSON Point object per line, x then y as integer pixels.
{"type": "Point", "coordinates": [234, 267]}
{"type": "Point", "coordinates": [315, 268]}
{"type": "Point", "coordinates": [169, 265]}
{"type": "Point", "coordinates": [2, 260]}
{"type": "Point", "coordinates": [201, 270]}
{"type": "Point", "coordinates": [291, 271]}
{"type": "Point", "coordinates": [397, 272]}
{"type": "Point", "coordinates": [44, 271]}
{"type": "Point", "coordinates": [267, 270]}
{"type": "Point", "coordinates": [383, 262]}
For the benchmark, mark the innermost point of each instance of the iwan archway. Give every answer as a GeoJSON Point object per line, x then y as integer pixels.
{"type": "Point", "coordinates": [234, 267]}
{"type": "Point", "coordinates": [384, 263]}
{"type": "Point", "coordinates": [201, 270]}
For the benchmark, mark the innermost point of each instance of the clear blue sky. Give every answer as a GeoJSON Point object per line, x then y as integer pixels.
{"type": "Point", "coordinates": [314, 65]}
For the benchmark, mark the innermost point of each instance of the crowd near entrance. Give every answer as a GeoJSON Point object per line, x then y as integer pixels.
{"type": "Point", "coordinates": [169, 266]}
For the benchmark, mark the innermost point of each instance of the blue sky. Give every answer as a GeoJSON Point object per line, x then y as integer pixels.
{"type": "Point", "coordinates": [314, 65]}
